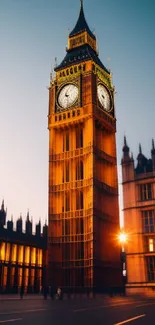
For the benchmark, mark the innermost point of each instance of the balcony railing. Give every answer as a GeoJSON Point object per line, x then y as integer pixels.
{"type": "Point", "coordinates": [71, 154]}
{"type": "Point", "coordinates": [71, 185]}
{"type": "Point", "coordinates": [71, 214]}
{"type": "Point", "coordinates": [72, 238]}
{"type": "Point", "coordinates": [83, 183]}
{"type": "Point", "coordinates": [81, 152]}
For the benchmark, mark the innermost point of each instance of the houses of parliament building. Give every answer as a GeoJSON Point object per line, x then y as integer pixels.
{"type": "Point", "coordinates": [22, 255]}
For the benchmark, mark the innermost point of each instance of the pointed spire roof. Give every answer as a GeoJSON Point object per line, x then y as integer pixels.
{"type": "Point", "coordinates": [141, 158]}
{"type": "Point", "coordinates": [81, 24]}
{"type": "Point", "coordinates": [2, 206]}
{"type": "Point", "coordinates": [140, 148]}
{"type": "Point", "coordinates": [153, 147]}
{"type": "Point", "coordinates": [28, 215]}
{"type": "Point", "coordinates": [125, 147]}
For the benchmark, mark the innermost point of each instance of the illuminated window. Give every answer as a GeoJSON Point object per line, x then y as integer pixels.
{"type": "Point", "coordinates": [20, 254]}
{"type": "Point", "coordinates": [5, 272]}
{"type": "Point", "coordinates": [2, 251]}
{"type": "Point", "coordinates": [26, 277]}
{"type": "Point", "coordinates": [146, 192]}
{"type": "Point", "coordinates": [39, 257]}
{"type": "Point", "coordinates": [148, 217]}
{"type": "Point", "coordinates": [20, 273]}
{"type": "Point", "coordinates": [27, 255]}
{"type": "Point", "coordinates": [14, 253]}
{"type": "Point", "coordinates": [32, 277]}
{"type": "Point", "coordinates": [7, 256]}
{"type": "Point", "coordinates": [33, 255]}
{"type": "Point", "coordinates": [151, 245]}
{"type": "Point", "coordinates": [12, 275]}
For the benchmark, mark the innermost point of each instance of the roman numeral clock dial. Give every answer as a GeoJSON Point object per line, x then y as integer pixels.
{"type": "Point", "coordinates": [104, 97]}
{"type": "Point", "coordinates": [67, 96]}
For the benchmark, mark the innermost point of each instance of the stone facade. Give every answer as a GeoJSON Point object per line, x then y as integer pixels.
{"type": "Point", "coordinates": [139, 219]}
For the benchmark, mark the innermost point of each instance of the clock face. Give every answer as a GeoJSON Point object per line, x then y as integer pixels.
{"type": "Point", "coordinates": [104, 97]}
{"type": "Point", "coordinates": [67, 96]}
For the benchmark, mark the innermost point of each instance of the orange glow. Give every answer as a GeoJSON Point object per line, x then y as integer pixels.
{"type": "Point", "coordinates": [2, 251]}
{"type": "Point", "coordinates": [122, 238]}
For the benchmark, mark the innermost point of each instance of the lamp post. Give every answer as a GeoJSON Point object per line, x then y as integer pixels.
{"type": "Point", "coordinates": [123, 240]}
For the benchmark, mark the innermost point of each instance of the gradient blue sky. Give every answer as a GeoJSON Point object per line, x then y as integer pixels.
{"type": "Point", "coordinates": [32, 34]}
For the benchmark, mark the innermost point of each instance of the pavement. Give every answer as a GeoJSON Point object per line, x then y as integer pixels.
{"type": "Point", "coordinates": [105, 310]}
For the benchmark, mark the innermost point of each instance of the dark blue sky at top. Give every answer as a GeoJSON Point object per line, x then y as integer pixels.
{"type": "Point", "coordinates": [32, 34]}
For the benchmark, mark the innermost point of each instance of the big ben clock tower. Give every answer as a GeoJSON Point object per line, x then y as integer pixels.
{"type": "Point", "coordinates": [83, 186]}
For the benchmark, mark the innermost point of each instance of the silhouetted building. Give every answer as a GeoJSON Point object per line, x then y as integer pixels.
{"type": "Point", "coordinates": [22, 255]}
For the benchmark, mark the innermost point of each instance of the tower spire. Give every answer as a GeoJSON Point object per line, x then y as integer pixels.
{"type": "Point", "coordinates": [125, 144]}
{"type": "Point", "coordinates": [28, 215]}
{"type": "Point", "coordinates": [125, 147]}
{"type": "Point", "coordinates": [153, 148]}
{"type": "Point", "coordinates": [153, 154]}
{"type": "Point", "coordinates": [140, 148]}
{"type": "Point", "coordinates": [81, 25]}
{"type": "Point", "coordinates": [2, 206]}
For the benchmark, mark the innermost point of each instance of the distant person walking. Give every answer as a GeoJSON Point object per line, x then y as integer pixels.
{"type": "Point", "coordinates": [59, 293]}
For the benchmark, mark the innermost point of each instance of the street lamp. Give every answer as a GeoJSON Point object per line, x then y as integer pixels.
{"type": "Point", "coordinates": [122, 237]}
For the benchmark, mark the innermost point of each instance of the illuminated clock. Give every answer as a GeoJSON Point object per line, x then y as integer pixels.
{"type": "Point", "coordinates": [104, 97]}
{"type": "Point", "coordinates": [67, 96]}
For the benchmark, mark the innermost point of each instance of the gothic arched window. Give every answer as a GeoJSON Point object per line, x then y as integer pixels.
{"type": "Point", "coordinates": [79, 200]}
{"type": "Point", "coordinates": [67, 172]}
{"type": "Point", "coordinates": [79, 170]}
{"type": "Point", "coordinates": [79, 137]}
{"type": "Point", "coordinates": [67, 202]}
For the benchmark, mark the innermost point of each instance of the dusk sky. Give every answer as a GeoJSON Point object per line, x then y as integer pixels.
{"type": "Point", "coordinates": [32, 34]}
